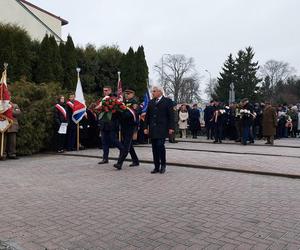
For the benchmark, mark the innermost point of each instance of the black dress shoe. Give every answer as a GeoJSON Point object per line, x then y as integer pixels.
{"type": "Point", "coordinates": [13, 157]}
{"type": "Point", "coordinates": [103, 162]}
{"type": "Point", "coordinates": [154, 171]}
{"type": "Point", "coordinates": [118, 166]}
{"type": "Point", "coordinates": [162, 170]}
{"type": "Point", "coordinates": [134, 164]}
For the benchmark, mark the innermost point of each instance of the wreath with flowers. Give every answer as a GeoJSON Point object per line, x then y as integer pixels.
{"type": "Point", "coordinates": [108, 106]}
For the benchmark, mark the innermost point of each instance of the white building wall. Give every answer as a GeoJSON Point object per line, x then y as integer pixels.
{"type": "Point", "coordinates": [52, 22]}
{"type": "Point", "coordinates": [13, 13]}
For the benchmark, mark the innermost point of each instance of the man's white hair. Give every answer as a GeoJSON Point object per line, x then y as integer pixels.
{"type": "Point", "coordinates": [159, 88]}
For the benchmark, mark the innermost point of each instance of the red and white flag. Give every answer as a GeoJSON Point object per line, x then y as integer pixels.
{"type": "Point", "coordinates": [119, 88]}
{"type": "Point", "coordinates": [5, 107]}
{"type": "Point", "coordinates": [79, 107]}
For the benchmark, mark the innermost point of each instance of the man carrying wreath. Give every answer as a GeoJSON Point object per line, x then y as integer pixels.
{"type": "Point", "coordinates": [109, 122]}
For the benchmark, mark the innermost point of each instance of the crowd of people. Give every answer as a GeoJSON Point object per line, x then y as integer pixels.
{"type": "Point", "coordinates": [245, 122]}
{"type": "Point", "coordinates": [117, 127]}
{"type": "Point", "coordinates": [242, 122]}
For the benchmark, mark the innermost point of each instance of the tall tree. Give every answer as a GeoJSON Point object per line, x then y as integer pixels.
{"type": "Point", "coordinates": [141, 71]}
{"type": "Point", "coordinates": [227, 76]}
{"type": "Point", "coordinates": [274, 72]}
{"type": "Point", "coordinates": [178, 74]}
{"type": "Point", "coordinates": [190, 90]}
{"type": "Point", "coordinates": [210, 90]}
{"type": "Point", "coordinates": [246, 74]}
{"type": "Point", "coordinates": [87, 60]}
{"type": "Point", "coordinates": [15, 45]}
{"type": "Point", "coordinates": [56, 61]}
{"type": "Point", "coordinates": [69, 63]}
{"type": "Point", "coordinates": [109, 65]}
{"type": "Point", "coordinates": [44, 71]}
{"type": "Point", "coordinates": [128, 68]}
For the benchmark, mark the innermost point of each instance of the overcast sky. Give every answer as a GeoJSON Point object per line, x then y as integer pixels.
{"type": "Point", "coordinates": [205, 30]}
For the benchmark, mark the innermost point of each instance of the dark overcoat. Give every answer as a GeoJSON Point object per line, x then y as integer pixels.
{"type": "Point", "coordinates": [269, 121]}
{"type": "Point", "coordinates": [160, 118]}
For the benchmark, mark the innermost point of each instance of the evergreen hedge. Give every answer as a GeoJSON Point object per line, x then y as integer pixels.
{"type": "Point", "coordinates": [36, 123]}
{"type": "Point", "coordinates": [41, 71]}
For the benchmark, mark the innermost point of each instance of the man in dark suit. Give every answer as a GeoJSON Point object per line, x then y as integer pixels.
{"type": "Point", "coordinates": [160, 121]}
{"type": "Point", "coordinates": [208, 116]}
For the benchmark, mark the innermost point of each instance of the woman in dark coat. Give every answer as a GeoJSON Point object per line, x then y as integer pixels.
{"type": "Point", "coordinates": [269, 123]}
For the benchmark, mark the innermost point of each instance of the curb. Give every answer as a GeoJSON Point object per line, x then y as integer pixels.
{"type": "Point", "coordinates": [265, 173]}
{"type": "Point", "coordinates": [236, 143]}
{"type": "Point", "coordinates": [224, 152]}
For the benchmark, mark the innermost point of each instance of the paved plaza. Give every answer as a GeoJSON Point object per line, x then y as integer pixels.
{"type": "Point", "coordinates": [71, 202]}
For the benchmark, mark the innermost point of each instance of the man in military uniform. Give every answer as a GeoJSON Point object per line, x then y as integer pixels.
{"type": "Point", "coordinates": [129, 123]}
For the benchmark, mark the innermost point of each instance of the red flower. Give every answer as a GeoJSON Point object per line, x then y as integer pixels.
{"type": "Point", "coordinates": [110, 106]}
{"type": "Point", "coordinates": [114, 111]}
{"type": "Point", "coordinates": [106, 109]}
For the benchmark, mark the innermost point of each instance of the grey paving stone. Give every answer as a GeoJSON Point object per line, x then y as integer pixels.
{"type": "Point", "coordinates": [61, 202]}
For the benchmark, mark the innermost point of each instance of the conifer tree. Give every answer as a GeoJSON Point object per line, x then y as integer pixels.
{"type": "Point", "coordinates": [128, 69]}
{"type": "Point", "coordinates": [242, 71]}
{"type": "Point", "coordinates": [56, 61]}
{"type": "Point", "coordinates": [109, 59]}
{"type": "Point", "coordinates": [141, 71]}
{"type": "Point", "coordinates": [44, 71]}
{"type": "Point", "coordinates": [246, 74]}
{"type": "Point", "coordinates": [227, 76]}
{"type": "Point", "coordinates": [15, 50]}
{"type": "Point", "coordinates": [69, 63]}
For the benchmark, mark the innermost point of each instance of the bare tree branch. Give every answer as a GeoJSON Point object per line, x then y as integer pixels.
{"type": "Point", "coordinates": [179, 78]}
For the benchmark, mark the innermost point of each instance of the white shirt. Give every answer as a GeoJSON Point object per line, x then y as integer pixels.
{"type": "Point", "coordinates": [158, 99]}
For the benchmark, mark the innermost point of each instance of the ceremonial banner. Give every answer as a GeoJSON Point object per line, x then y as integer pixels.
{"type": "Point", "coordinates": [144, 104]}
{"type": "Point", "coordinates": [5, 107]}
{"type": "Point", "coordinates": [79, 107]}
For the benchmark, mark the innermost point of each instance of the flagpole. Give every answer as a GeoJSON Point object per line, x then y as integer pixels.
{"type": "Point", "coordinates": [119, 79]}
{"type": "Point", "coordinates": [119, 76]}
{"type": "Point", "coordinates": [1, 96]}
{"type": "Point", "coordinates": [78, 132]}
{"type": "Point", "coordinates": [4, 79]}
{"type": "Point", "coordinates": [2, 144]}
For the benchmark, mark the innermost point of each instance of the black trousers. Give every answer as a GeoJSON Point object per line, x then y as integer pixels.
{"type": "Point", "coordinates": [218, 131]}
{"type": "Point", "coordinates": [127, 147]}
{"type": "Point", "coordinates": [60, 141]}
{"type": "Point", "coordinates": [159, 153]}
{"type": "Point", "coordinates": [110, 138]}
{"type": "Point", "coordinates": [209, 130]}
